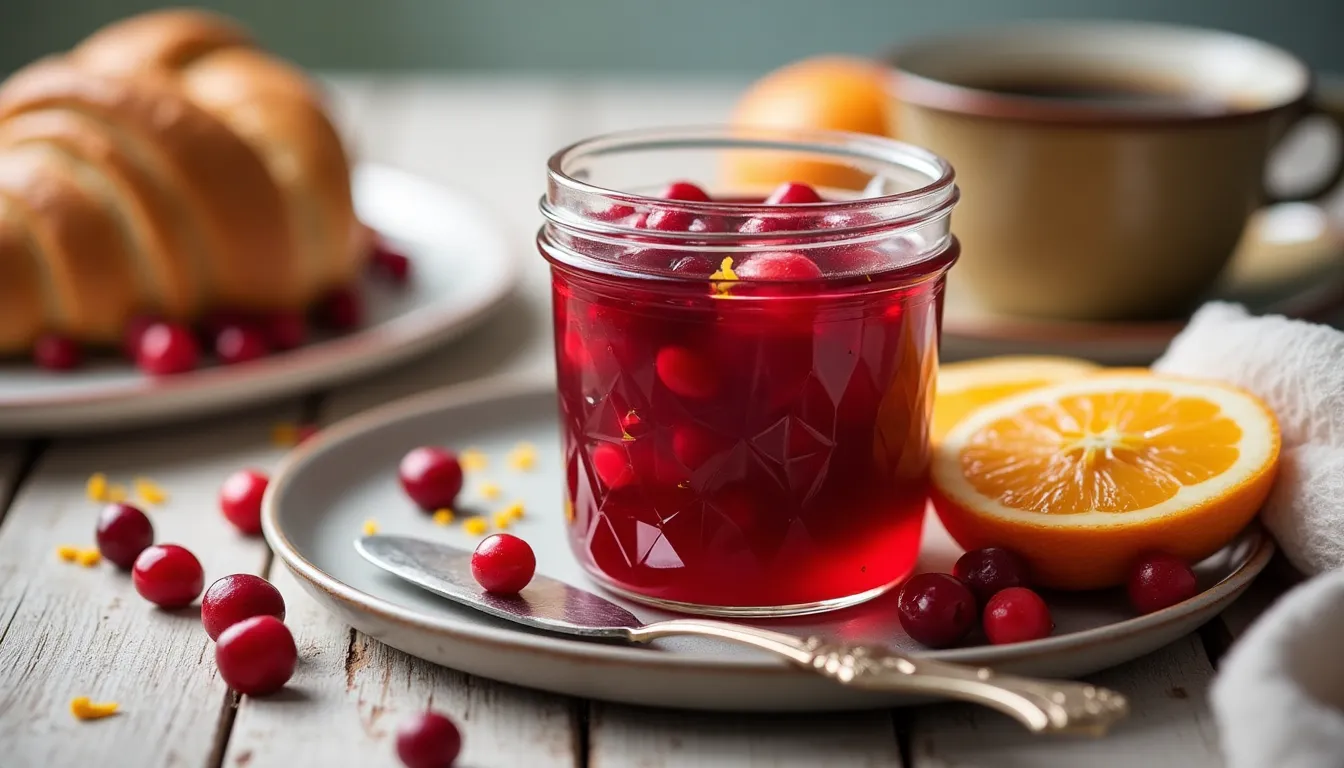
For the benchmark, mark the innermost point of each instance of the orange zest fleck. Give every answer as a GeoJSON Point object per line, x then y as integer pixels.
{"type": "Point", "coordinates": [96, 488]}
{"type": "Point", "coordinates": [88, 557]}
{"type": "Point", "coordinates": [523, 457]}
{"type": "Point", "coordinates": [475, 526]}
{"type": "Point", "coordinates": [472, 460]}
{"type": "Point", "coordinates": [84, 709]}
{"type": "Point", "coordinates": [67, 553]}
{"type": "Point", "coordinates": [569, 511]}
{"type": "Point", "coordinates": [149, 491]}
{"type": "Point", "coordinates": [443, 517]}
{"type": "Point", "coordinates": [490, 491]}
{"type": "Point", "coordinates": [285, 435]}
{"type": "Point", "coordinates": [370, 527]}
{"type": "Point", "coordinates": [724, 278]}
{"type": "Point", "coordinates": [503, 520]}
{"type": "Point", "coordinates": [515, 510]}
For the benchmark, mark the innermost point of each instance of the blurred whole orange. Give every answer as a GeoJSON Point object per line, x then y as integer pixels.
{"type": "Point", "coordinates": [827, 92]}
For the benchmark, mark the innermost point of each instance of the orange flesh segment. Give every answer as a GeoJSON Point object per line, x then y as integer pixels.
{"type": "Point", "coordinates": [1107, 452]}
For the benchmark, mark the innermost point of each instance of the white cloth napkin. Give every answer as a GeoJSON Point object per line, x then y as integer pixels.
{"type": "Point", "coordinates": [1279, 694]}
{"type": "Point", "coordinates": [1297, 368]}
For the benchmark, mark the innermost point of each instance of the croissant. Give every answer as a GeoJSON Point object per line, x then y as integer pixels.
{"type": "Point", "coordinates": [167, 167]}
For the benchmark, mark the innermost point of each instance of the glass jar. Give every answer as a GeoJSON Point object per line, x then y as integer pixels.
{"type": "Point", "coordinates": [746, 389]}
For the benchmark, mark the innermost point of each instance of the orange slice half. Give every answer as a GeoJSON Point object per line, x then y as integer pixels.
{"type": "Point", "coordinates": [1083, 477]}
{"type": "Point", "coordinates": [964, 387]}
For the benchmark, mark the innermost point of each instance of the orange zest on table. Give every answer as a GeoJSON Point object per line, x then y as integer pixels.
{"type": "Point", "coordinates": [1084, 476]}
{"type": "Point", "coordinates": [84, 709]}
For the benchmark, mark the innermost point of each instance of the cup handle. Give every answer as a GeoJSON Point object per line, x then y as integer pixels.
{"type": "Point", "coordinates": [1328, 102]}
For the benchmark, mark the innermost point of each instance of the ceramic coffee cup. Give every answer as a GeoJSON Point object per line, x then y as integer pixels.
{"type": "Point", "coordinates": [1107, 169]}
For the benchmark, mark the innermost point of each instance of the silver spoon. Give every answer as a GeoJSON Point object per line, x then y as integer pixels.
{"type": "Point", "coordinates": [1043, 706]}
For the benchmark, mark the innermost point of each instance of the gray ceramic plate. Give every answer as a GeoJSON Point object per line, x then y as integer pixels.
{"type": "Point", "coordinates": [464, 268]}
{"type": "Point", "coordinates": [329, 487]}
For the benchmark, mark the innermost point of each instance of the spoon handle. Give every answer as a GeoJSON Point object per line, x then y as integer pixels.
{"type": "Point", "coordinates": [1043, 706]}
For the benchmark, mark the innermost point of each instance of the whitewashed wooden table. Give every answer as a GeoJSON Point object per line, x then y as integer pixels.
{"type": "Point", "coordinates": [66, 631]}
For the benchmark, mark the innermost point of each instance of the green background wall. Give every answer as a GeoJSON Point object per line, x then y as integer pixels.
{"type": "Point", "coordinates": [644, 35]}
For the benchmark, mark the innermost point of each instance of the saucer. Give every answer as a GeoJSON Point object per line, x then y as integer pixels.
{"type": "Point", "coordinates": [1290, 262]}
{"type": "Point", "coordinates": [330, 486]}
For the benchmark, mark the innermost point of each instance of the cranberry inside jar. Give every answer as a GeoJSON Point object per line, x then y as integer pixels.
{"type": "Point", "coordinates": [781, 389]}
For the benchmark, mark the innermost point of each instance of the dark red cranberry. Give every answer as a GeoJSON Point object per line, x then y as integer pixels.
{"type": "Point", "coordinates": [428, 740]}
{"type": "Point", "coordinates": [240, 499]}
{"type": "Point", "coordinates": [707, 224]}
{"type": "Point", "coordinates": [341, 309]}
{"type": "Point", "coordinates": [168, 575]}
{"type": "Point", "coordinates": [431, 476]}
{"type": "Point", "coordinates": [167, 349]}
{"type": "Point", "coordinates": [390, 265]}
{"type": "Point", "coordinates": [1016, 615]}
{"type": "Point", "coordinates": [936, 609]}
{"type": "Point", "coordinates": [695, 264]}
{"type": "Point", "coordinates": [256, 656]}
{"type": "Point", "coordinates": [240, 344]}
{"type": "Point", "coordinates": [685, 190]}
{"type": "Point", "coordinates": [793, 193]}
{"type": "Point", "coordinates": [135, 328]}
{"type": "Point", "coordinates": [217, 320]}
{"type": "Point", "coordinates": [686, 373]}
{"type": "Point", "coordinates": [235, 598]}
{"type": "Point", "coordinates": [57, 353]}
{"type": "Point", "coordinates": [989, 570]}
{"type": "Point", "coordinates": [503, 564]}
{"type": "Point", "coordinates": [1160, 581]}
{"type": "Point", "coordinates": [778, 265]}
{"type": "Point", "coordinates": [122, 533]}
{"type": "Point", "coordinates": [612, 466]}
{"type": "Point", "coordinates": [857, 261]}
{"type": "Point", "coordinates": [285, 330]}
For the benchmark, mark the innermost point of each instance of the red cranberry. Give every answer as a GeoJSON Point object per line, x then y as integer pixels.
{"type": "Point", "coordinates": [135, 328]}
{"type": "Point", "coordinates": [432, 477]}
{"type": "Point", "coordinates": [57, 353]}
{"type": "Point", "coordinates": [707, 224]}
{"type": "Point", "coordinates": [167, 349]}
{"type": "Point", "coordinates": [695, 264]}
{"type": "Point", "coordinates": [168, 575]}
{"type": "Point", "coordinates": [664, 220]}
{"type": "Point", "coordinates": [778, 265]}
{"type": "Point", "coordinates": [217, 320]}
{"type": "Point", "coordinates": [1016, 615]}
{"type": "Point", "coordinates": [612, 466]}
{"type": "Point", "coordinates": [341, 309]}
{"type": "Point", "coordinates": [764, 225]}
{"type": "Point", "coordinates": [122, 533]}
{"type": "Point", "coordinates": [240, 499]}
{"type": "Point", "coordinates": [858, 261]}
{"type": "Point", "coordinates": [614, 212]}
{"type": "Point", "coordinates": [685, 190]}
{"type": "Point", "coordinates": [256, 656]}
{"type": "Point", "coordinates": [389, 264]}
{"type": "Point", "coordinates": [503, 564]}
{"type": "Point", "coordinates": [286, 330]}
{"type": "Point", "coordinates": [240, 344]}
{"type": "Point", "coordinates": [793, 193]}
{"type": "Point", "coordinates": [1160, 581]}
{"type": "Point", "coordinates": [235, 598]}
{"type": "Point", "coordinates": [936, 610]}
{"type": "Point", "coordinates": [686, 373]}
{"type": "Point", "coordinates": [428, 740]}
{"type": "Point", "coordinates": [989, 570]}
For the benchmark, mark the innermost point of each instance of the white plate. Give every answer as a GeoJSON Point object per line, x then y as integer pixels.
{"type": "Point", "coordinates": [329, 487]}
{"type": "Point", "coordinates": [463, 267]}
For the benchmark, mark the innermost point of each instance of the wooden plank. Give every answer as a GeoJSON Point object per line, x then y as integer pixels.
{"type": "Point", "coordinates": [1169, 725]}
{"type": "Point", "coordinates": [67, 631]}
{"type": "Point", "coordinates": [631, 737]}
{"type": "Point", "coordinates": [350, 692]}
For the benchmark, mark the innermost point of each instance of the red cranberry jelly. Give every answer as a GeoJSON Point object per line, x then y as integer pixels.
{"type": "Point", "coordinates": [753, 440]}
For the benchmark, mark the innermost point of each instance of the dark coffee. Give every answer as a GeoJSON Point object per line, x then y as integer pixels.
{"type": "Point", "coordinates": [1135, 95]}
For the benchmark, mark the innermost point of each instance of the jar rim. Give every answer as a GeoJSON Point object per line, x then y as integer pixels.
{"type": "Point", "coordinates": [840, 144]}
